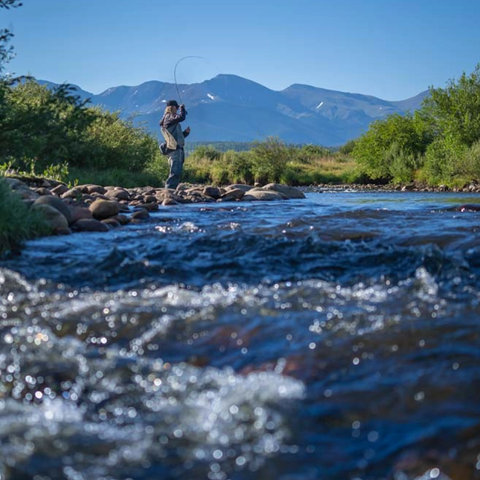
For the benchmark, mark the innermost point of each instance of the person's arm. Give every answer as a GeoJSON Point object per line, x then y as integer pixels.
{"type": "Point", "coordinates": [174, 118]}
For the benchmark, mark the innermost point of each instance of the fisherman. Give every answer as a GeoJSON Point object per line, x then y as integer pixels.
{"type": "Point", "coordinates": [175, 140]}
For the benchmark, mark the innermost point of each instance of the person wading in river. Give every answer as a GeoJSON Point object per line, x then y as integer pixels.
{"type": "Point", "coordinates": [175, 139]}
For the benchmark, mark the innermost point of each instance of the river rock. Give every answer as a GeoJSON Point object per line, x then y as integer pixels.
{"type": "Point", "coordinates": [232, 195]}
{"type": "Point", "coordinates": [212, 192]}
{"type": "Point", "coordinates": [55, 219]}
{"type": "Point", "coordinates": [96, 189]}
{"type": "Point", "coordinates": [80, 213]}
{"type": "Point", "coordinates": [169, 201]}
{"type": "Point", "coordinates": [89, 225]}
{"type": "Point", "coordinates": [141, 214]}
{"type": "Point", "coordinates": [238, 186]}
{"type": "Point", "coordinates": [121, 219]}
{"type": "Point", "coordinates": [118, 194]}
{"type": "Point", "coordinates": [56, 203]}
{"type": "Point", "coordinates": [111, 222]}
{"type": "Point", "coordinates": [43, 191]}
{"type": "Point", "coordinates": [261, 195]}
{"type": "Point", "coordinates": [59, 190]}
{"type": "Point", "coordinates": [75, 192]}
{"type": "Point", "coordinates": [285, 191]}
{"type": "Point", "coordinates": [102, 209]}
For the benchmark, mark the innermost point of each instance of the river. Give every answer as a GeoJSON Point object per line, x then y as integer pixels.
{"type": "Point", "coordinates": [335, 337]}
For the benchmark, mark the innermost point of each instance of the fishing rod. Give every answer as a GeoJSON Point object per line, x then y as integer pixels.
{"type": "Point", "coordinates": [175, 73]}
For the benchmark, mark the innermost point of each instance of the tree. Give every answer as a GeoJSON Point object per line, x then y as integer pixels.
{"type": "Point", "coordinates": [454, 111]}
{"type": "Point", "coordinates": [6, 51]}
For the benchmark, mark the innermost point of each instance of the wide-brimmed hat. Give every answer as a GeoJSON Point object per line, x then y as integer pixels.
{"type": "Point", "coordinates": [172, 103]}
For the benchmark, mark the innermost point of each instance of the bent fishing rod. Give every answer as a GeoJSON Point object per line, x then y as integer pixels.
{"type": "Point", "coordinates": [175, 73]}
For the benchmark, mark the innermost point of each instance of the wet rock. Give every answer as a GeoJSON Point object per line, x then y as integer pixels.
{"type": "Point", "coordinates": [212, 192]}
{"type": "Point", "coordinates": [102, 209]}
{"type": "Point", "coordinates": [79, 213]}
{"type": "Point", "coordinates": [55, 219]}
{"type": "Point", "coordinates": [121, 219]}
{"type": "Point", "coordinates": [169, 201]}
{"type": "Point", "coordinates": [56, 203]}
{"type": "Point", "coordinates": [285, 191]}
{"type": "Point", "coordinates": [261, 195]}
{"type": "Point", "coordinates": [111, 222]}
{"type": "Point", "coordinates": [232, 195]}
{"type": "Point", "coordinates": [151, 207]}
{"type": "Point", "coordinates": [89, 225]}
{"type": "Point", "coordinates": [141, 214]}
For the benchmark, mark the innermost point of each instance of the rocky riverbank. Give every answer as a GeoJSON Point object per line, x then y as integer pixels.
{"type": "Point", "coordinates": [94, 208]}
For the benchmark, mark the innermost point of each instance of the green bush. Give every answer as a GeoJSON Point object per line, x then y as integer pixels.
{"type": "Point", "coordinates": [269, 159]}
{"type": "Point", "coordinates": [442, 160]}
{"type": "Point", "coordinates": [51, 127]}
{"type": "Point", "coordinates": [407, 134]}
{"type": "Point", "coordinates": [17, 222]}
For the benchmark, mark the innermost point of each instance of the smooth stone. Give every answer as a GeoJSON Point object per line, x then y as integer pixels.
{"type": "Point", "coordinates": [213, 192]}
{"type": "Point", "coordinates": [238, 186]}
{"type": "Point", "coordinates": [75, 192]}
{"type": "Point", "coordinates": [102, 209]}
{"type": "Point", "coordinates": [60, 190]}
{"type": "Point", "coordinates": [232, 195]}
{"type": "Point", "coordinates": [141, 214]}
{"type": "Point", "coordinates": [287, 192]}
{"type": "Point", "coordinates": [96, 189]}
{"type": "Point", "coordinates": [111, 222]}
{"type": "Point", "coordinates": [118, 194]}
{"type": "Point", "coordinates": [89, 225]}
{"type": "Point", "coordinates": [55, 219]}
{"type": "Point", "coordinates": [169, 201]}
{"type": "Point", "coordinates": [261, 195]}
{"type": "Point", "coordinates": [56, 203]}
{"type": "Point", "coordinates": [43, 191]}
{"type": "Point", "coordinates": [80, 213]}
{"type": "Point", "coordinates": [121, 219]}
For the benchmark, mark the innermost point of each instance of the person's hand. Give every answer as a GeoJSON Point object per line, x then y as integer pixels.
{"type": "Point", "coordinates": [187, 130]}
{"type": "Point", "coordinates": [182, 105]}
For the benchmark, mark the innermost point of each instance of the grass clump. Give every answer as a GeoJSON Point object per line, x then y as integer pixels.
{"type": "Point", "coordinates": [18, 222]}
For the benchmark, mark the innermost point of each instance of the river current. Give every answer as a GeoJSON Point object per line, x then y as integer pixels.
{"type": "Point", "coordinates": [336, 337]}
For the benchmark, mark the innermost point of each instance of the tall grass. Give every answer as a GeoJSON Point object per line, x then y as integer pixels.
{"type": "Point", "coordinates": [17, 222]}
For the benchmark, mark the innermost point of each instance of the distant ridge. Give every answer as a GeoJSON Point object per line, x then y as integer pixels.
{"type": "Point", "coordinates": [232, 108]}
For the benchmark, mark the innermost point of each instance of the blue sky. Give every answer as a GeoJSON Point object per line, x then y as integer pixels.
{"type": "Point", "coordinates": [392, 49]}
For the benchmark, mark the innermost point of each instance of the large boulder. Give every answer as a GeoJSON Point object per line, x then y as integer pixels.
{"type": "Point", "coordinates": [57, 222]}
{"type": "Point", "coordinates": [261, 195]}
{"type": "Point", "coordinates": [285, 191]}
{"type": "Point", "coordinates": [56, 203]}
{"type": "Point", "coordinates": [102, 209]}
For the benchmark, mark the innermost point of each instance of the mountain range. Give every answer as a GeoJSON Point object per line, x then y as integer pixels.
{"type": "Point", "coordinates": [232, 108]}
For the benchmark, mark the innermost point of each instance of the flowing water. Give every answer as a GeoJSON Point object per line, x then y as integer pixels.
{"type": "Point", "coordinates": [335, 337]}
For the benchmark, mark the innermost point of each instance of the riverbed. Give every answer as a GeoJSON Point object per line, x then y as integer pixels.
{"type": "Point", "coordinates": [335, 337]}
